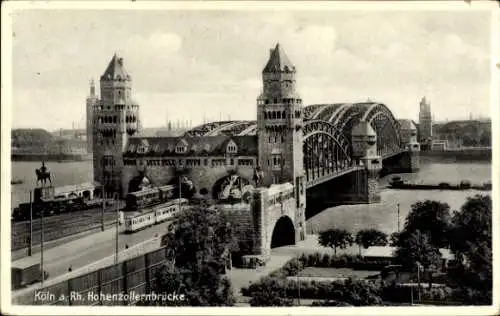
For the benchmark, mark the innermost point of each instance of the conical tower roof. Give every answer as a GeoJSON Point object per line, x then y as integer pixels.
{"type": "Point", "coordinates": [278, 61]}
{"type": "Point", "coordinates": [115, 70]}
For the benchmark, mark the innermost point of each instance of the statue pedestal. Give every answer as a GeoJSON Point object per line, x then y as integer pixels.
{"type": "Point", "coordinates": [44, 193]}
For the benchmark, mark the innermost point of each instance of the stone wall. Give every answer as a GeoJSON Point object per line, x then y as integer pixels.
{"type": "Point", "coordinates": [364, 188]}
{"type": "Point", "coordinates": [242, 221]}
{"type": "Point", "coordinates": [203, 176]}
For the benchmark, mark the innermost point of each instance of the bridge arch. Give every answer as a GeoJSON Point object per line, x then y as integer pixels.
{"type": "Point", "coordinates": [188, 189]}
{"type": "Point", "coordinates": [326, 150]}
{"type": "Point", "coordinates": [230, 186]}
{"type": "Point", "coordinates": [344, 116]}
{"type": "Point", "coordinates": [387, 128]}
{"type": "Point", "coordinates": [139, 183]}
{"type": "Point", "coordinates": [283, 232]}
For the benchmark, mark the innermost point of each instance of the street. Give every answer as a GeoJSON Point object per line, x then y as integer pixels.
{"type": "Point", "coordinates": [89, 249]}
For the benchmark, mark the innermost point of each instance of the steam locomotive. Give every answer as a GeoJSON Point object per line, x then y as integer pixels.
{"type": "Point", "coordinates": [53, 201]}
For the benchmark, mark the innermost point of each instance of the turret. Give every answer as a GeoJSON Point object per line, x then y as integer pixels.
{"type": "Point", "coordinates": [279, 119]}
{"type": "Point", "coordinates": [279, 130]}
{"type": "Point", "coordinates": [364, 145]}
{"type": "Point", "coordinates": [117, 118]}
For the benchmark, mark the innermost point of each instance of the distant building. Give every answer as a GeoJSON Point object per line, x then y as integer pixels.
{"type": "Point", "coordinates": [439, 145]}
{"type": "Point", "coordinates": [464, 133]}
{"type": "Point", "coordinates": [425, 122]}
{"type": "Point", "coordinates": [91, 102]}
{"type": "Point", "coordinates": [384, 252]}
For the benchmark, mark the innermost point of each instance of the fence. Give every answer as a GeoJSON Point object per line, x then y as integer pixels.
{"type": "Point", "coordinates": [106, 286]}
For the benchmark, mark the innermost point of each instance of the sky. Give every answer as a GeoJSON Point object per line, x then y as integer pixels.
{"type": "Point", "coordinates": [187, 65]}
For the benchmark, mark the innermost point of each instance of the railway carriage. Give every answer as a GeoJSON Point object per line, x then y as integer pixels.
{"type": "Point", "coordinates": [141, 199]}
{"type": "Point", "coordinates": [135, 221]}
{"type": "Point", "coordinates": [145, 198]}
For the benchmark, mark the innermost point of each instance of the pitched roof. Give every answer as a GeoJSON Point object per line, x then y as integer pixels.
{"type": "Point", "coordinates": [407, 124]}
{"type": "Point", "coordinates": [115, 70]}
{"type": "Point", "coordinates": [278, 61]}
{"type": "Point", "coordinates": [196, 146]}
{"type": "Point", "coordinates": [388, 252]}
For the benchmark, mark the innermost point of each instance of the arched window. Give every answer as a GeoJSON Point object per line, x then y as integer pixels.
{"type": "Point", "coordinates": [265, 115]}
{"type": "Point", "coordinates": [283, 115]}
{"type": "Point", "coordinates": [181, 147]}
{"type": "Point", "coordinates": [279, 115]}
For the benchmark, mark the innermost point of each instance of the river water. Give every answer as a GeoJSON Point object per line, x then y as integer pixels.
{"type": "Point", "coordinates": [382, 216]}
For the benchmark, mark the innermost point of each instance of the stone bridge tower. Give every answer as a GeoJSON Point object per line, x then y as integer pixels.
{"type": "Point", "coordinates": [279, 131]}
{"type": "Point", "coordinates": [116, 117]}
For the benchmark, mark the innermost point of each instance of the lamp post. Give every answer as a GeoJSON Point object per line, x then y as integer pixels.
{"type": "Point", "coordinates": [30, 249]}
{"type": "Point", "coordinates": [180, 192]}
{"type": "Point", "coordinates": [418, 281]}
{"type": "Point", "coordinates": [41, 242]}
{"type": "Point", "coordinates": [298, 287]}
{"type": "Point", "coordinates": [398, 217]}
{"type": "Point", "coordinates": [103, 195]}
{"type": "Point", "coordinates": [115, 198]}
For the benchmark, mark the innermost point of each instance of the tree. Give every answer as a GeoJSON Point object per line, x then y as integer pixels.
{"type": "Point", "coordinates": [417, 248]}
{"type": "Point", "coordinates": [199, 249]}
{"type": "Point", "coordinates": [370, 237]}
{"type": "Point", "coordinates": [471, 243]}
{"type": "Point", "coordinates": [394, 239]}
{"type": "Point", "coordinates": [429, 217]}
{"type": "Point", "coordinates": [335, 238]}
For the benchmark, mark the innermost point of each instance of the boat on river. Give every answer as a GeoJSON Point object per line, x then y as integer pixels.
{"type": "Point", "coordinates": [399, 183]}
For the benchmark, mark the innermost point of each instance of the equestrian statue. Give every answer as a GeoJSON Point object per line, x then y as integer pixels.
{"type": "Point", "coordinates": [43, 175]}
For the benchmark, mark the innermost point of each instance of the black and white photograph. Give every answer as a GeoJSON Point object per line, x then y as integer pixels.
{"type": "Point", "coordinates": [312, 156]}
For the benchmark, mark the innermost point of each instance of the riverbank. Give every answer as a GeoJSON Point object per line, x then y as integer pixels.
{"type": "Point", "coordinates": [459, 155]}
{"type": "Point", "coordinates": [51, 157]}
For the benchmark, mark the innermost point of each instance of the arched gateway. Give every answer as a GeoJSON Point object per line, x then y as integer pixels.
{"type": "Point", "coordinates": [283, 233]}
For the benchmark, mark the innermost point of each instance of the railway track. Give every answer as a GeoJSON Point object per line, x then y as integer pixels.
{"type": "Point", "coordinates": [60, 226]}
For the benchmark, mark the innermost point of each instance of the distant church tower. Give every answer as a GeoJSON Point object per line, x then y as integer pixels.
{"type": "Point", "coordinates": [425, 121]}
{"type": "Point", "coordinates": [91, 102]}
{"type": "Point", "coordinates": [116, 118]}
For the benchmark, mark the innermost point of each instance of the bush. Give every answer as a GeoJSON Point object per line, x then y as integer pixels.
{"type": "Point", "coordinates": [269, 292]}
{"type": "Point", "coordinates": [357, 293]}
{"type": "Point", "coordinates": [325, 261]}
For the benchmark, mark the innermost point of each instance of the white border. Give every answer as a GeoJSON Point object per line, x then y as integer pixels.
{"type": "Point", "coordinates": [6, 104]}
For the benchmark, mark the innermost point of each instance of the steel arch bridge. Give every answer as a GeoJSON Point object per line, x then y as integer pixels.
{"type": "Point", "coordinates": [327, 136]}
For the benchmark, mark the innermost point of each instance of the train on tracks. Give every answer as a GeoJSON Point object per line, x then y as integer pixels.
{"type": "Point", "coordinates": [57, 200]}
{"type": "Point", "coordinates": [147, 217]}
{"type": "Point", "coordinates": [149, 197]}
{"type": "Point", "coordinates": [151, 206]}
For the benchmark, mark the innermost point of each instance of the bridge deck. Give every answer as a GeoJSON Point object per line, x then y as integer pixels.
{"type": "Point", "coordinates": [314, 182]}
{"type": "Point", "coordinates": [327, 177]}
